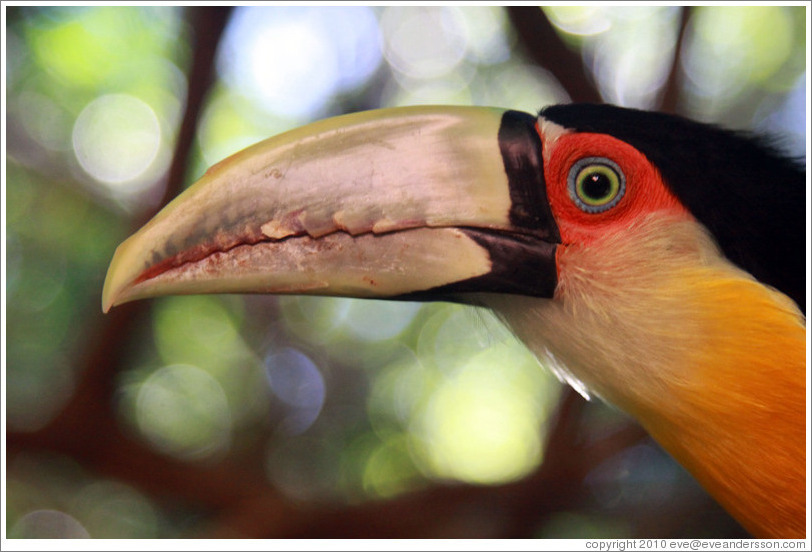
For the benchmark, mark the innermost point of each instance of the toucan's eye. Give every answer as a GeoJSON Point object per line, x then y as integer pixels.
{"type": "Point", "coordinates": [596, 184]}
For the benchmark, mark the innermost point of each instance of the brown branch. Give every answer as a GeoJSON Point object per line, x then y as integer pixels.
{"type": "Point", "coordinates": [446, 511]}
{"type": "Point", "coordinates": [87, 428]}
{"type": "Point", "coordinates": [208, 24]}
{"type": "Point", "coordinates": [540, 41]}
{"type": "Point", "coordinates": [671, 89]}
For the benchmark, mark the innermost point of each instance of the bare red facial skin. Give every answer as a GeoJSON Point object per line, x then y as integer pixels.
{"type": "Point", "coordinates": [645, 190]}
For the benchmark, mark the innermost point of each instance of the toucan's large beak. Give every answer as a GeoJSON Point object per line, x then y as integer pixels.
{"type": "Point", "coordinates": [432, 201]}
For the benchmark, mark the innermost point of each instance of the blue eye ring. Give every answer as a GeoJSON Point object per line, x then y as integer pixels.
{"type": "Point", "coordinates": [596, 184]}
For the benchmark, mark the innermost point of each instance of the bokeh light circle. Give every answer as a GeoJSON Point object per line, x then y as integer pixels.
{"type": "Point", "coordinates": [116, 138]}
{"type": "Point", "coordinates": [298, 383]}
{"type": "Point", "coordinates": [48, 524]}
{"type": "Point", "coordinates": [183, 411]}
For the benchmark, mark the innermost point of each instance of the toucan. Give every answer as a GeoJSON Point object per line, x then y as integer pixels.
{"type": "Point", "coordinates": [654, 261]}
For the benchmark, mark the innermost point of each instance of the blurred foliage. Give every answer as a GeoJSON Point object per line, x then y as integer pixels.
{"type": "Point", "coordinates": [339, 401]}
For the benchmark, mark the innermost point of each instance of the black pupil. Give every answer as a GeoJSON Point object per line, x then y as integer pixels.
{"type": "Point", "coordinates": [597, 185]}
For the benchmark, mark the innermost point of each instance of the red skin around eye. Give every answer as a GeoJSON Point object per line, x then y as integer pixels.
{"type": "Point", "coordinates": [645, 190]}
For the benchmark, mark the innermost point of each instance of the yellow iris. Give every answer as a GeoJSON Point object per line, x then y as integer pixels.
{"type": "Point", "coordinates": [596, 184]}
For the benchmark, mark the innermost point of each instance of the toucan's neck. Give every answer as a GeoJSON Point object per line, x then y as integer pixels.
{"type": "Point", "coordinates": [710, 361]}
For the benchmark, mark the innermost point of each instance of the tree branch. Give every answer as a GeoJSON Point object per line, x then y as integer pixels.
{"type": "Point", "coordinates": [208, 24]}
{"type": "Point", "coordinates": [445, 511]}
{"type": "Point", "coordinates": [541, 42]}
{"type": "Point", "coordinates": [671, 89]}
{"type": "Point", "coordinates": [87, 429]}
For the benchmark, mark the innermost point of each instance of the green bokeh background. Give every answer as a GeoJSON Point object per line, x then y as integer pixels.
{"type": "Point", "coordinates": [334, 401]}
